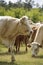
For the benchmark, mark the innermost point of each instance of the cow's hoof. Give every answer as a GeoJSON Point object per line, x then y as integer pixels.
{"type": "Point", "coordinates": [9, 50]}
{"type": "Point", "coordinates": [29, 45]}
{"type": "Point", "coordinates": [33, 56]}
{"type": "Point", "coordinates": [26, 51]}
{"type": "Point", "coordinates": [12, 59]}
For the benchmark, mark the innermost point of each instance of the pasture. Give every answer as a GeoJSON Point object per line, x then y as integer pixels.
{"type": "Point", "coordinates": [22, 58]}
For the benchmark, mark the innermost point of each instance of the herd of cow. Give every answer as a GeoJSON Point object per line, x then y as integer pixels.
{"type": "Point", "coordinates": [14, 30]}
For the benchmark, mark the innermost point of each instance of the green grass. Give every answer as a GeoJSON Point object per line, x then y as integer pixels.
{"type": "Point", "coordinates": [22, 58]}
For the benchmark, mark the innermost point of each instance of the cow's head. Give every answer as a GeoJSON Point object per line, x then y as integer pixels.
{"type": "Point", "coordinates": [35, 48]}
{"type": "Point", "coordinates": [25, 28]}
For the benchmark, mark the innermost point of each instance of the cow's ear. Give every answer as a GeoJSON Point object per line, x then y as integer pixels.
{"type": "Point", "coordinates": [28, 45]}
{"type": "Point", "coordinates": [40, 45]}
{"type": "Point", "coordinates": [23, 19]}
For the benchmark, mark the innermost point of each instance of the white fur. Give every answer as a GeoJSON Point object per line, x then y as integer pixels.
{"type": "Point", "coordinates": [11, 27]}
{"type": "Point", "coordinates": [38, 39]}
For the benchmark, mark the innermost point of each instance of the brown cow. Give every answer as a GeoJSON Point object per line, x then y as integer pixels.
{"type": "Point", "coordinates": [19, 39]}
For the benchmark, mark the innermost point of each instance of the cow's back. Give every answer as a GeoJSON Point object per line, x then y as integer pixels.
{"type": "Point", "coordinates": [7, 26]}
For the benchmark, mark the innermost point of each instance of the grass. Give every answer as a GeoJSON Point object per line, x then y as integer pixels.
{"type": "Point", "coordinates": [22, 58]}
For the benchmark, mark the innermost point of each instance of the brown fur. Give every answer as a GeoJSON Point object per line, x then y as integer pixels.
{"type": "Point", "coordinates": [33, 34]}
{"type": "Point", "coordinates": [18, 40]}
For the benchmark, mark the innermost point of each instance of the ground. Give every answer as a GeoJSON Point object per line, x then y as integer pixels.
{"type": "Point", "coordinates": [22, 58]}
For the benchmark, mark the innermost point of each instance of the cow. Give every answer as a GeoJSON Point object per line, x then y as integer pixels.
{"type": "Point", "coordinates": [38, 41]}
{"type": "Point", "coordinates": [10, 28]}
{"type": "Point", "coordinates": [19, 39]}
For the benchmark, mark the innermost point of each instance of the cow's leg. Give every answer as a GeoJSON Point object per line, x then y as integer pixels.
{"type": "Point", "coordinates": [18, 46]}
{"type": "Point", "coordinates": [42, 44]}
{"type": "Point", "coordinates": [12, 53]}
{"type": "Point", "coordinates": [26, 45]}
{"type": "Point", "coordinates": [9, 50]}
{"type": "Point", "coordinates": [16, 49]}
{"type": "Point", "coordinates": [12, 57]}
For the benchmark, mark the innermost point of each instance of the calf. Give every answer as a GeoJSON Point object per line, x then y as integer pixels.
{"type": "Point", "coordinates": [19, 39]}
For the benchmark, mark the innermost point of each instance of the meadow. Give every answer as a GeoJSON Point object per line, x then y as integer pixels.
{"type": "Point", "coordinates": [21, 58]}
{"type": "Point", "coordinates": [18, 10]}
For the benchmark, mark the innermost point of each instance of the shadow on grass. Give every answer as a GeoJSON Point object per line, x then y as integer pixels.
{"type": "Point", "coordinates": [41, 57]}
{"type": "Point", "coordinates": [21, 53]}
{"type": "Point", "coordinates": [4, 53]}
{"type": "Point", "coordinates": [7, 63]}
{"type": "Point", "coordinates": [18, 53]}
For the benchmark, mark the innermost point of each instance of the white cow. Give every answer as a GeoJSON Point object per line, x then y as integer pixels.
{"type": "Point", "coordinates": [10, 28]}
{"type": "Point", "coordinates": [37, 41]}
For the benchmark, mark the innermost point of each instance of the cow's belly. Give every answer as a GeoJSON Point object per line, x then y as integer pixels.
{"type": "Point", "coordinates": [8, 30]}
{"type": "Point", "coordinates": [5, 42]}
